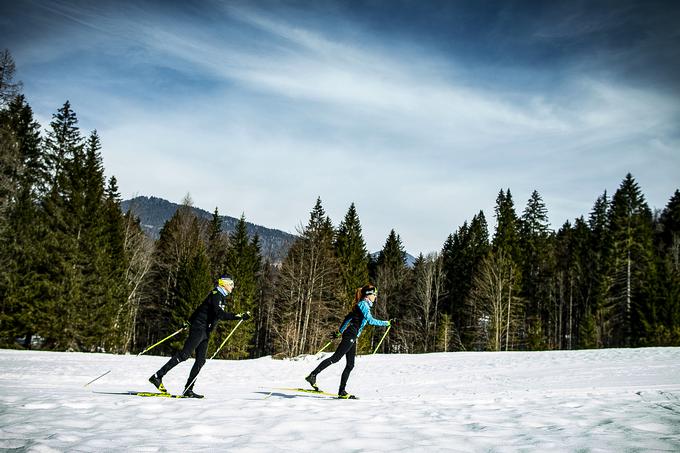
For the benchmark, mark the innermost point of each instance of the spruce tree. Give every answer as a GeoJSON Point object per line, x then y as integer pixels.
{"type": "Point", "coordinates": [392, 279]}
{"type": "Point", "coordinates": [19, 220]}
{"type": "Point", "coordinates": [60, 280]}
{"type": "Point", "coordinates": [536, 263]}
{"type": "Point", "coordinates": [244, 263]}
{"type": "Point", "coordinates": [113, 264]}
{"type": "Point", "coordinates": [350, 249]}
{"type": "Point", "coordinates": [179, 239]}
{"type": "Point", "coordinates": [598, 270]}
{"type": "Point", "coordinates": [630, 221]}
{"type": "Point", "coordinates": [93, 251]}
{"type": "Point", "coordinates": [581, 289]}
{"type": "Point", "coordinates": [193, 284]}
{"type": "Point", "coordinates": [667, 302]}
{"type": "Point", "coordinates": [462, 253]}
{"type": "Point", "coordinates": [217, 245]}
{"type": "Point", "coordinates": [505, 258]}
{"type": "Point", "coordinates": [573, 323]}
{"type": "Point", "coordinates": [506, 235]}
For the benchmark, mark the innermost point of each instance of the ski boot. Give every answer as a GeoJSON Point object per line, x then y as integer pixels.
{"type": "Point", "coordinates": [189, 393]}
{"type": "Point", "coordinates": [343, 395]}
{"type": "Point", "coordinates": [312, 381]}
{"type": "Point", "coordinates": [158, 383]}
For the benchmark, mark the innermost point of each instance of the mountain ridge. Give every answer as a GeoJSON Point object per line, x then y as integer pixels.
{"type": "Point", "coordinates": [153, 212]}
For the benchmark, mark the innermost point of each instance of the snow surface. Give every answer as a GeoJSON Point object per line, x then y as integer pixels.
{"type": "Point", "coordinates": [612, 400]}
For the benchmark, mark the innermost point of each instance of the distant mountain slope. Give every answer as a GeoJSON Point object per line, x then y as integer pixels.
{"type": "Point", "coordinates": [154, 212]}
{"type": "Point", "coordinates": [410, 259]}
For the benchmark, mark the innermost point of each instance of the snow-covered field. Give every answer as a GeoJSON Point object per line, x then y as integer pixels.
{"type": "Point", "coordinates": [601, 400]}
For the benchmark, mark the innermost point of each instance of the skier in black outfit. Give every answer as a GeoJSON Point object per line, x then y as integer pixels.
{"type": "Point", "coordinates": [202, 323]}
{"type": "Point", "coordinates": [350, 329]}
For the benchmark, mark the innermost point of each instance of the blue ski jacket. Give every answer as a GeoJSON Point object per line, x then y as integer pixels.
{"type": "Point", "coordinates": [360, 315]}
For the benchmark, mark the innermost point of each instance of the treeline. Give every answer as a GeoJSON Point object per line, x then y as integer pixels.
{"type": "Point", "coordinates": [76, 273]}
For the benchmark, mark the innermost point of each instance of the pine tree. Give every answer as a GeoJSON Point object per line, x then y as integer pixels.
{"type": "Point", "coordinates": [350, 249]}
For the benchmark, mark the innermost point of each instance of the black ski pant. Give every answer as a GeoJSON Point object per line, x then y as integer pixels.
{"type": "Point", "coordinates": [347, 348]}
{"type": "Point", "coordinates": [198, 341]}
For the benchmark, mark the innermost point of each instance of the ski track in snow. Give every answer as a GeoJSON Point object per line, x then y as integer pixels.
{"type": "Point", "coordinates": [616, 400]}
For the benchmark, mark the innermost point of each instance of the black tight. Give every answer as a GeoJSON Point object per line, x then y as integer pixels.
{"type": "Point", "coordinates": [347, 348]}
{"type": "Point", "coordinates": [198, 340]}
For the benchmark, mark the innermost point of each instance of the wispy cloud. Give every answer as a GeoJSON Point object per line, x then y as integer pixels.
{"type": "Point", "coordinates": [259, 112]}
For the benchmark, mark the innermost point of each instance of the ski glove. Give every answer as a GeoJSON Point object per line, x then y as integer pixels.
{"type": "Point", "coordinates": [335, 335]}
{"type": "Point", "coordinates": [243, 316]}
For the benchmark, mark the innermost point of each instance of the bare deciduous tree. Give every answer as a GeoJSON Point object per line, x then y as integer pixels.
{"type": "Point", "coordinates": [139, 252]}
{"type": "Point", "coordinates": [495, 301]}
{"type": "Point", "coordinates": [8, 88]}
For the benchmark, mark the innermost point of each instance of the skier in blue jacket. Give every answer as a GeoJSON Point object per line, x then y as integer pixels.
{"type": "Point", "coordinates": [350, 330]}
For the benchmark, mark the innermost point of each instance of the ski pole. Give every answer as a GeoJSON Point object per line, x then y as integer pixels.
{"type": "Point", "coordinates": [225, 340]}
{"type": "Point", "coordinates": [144, 351]}
{"type": "Point", "coordinates": [322, 349]}
{"type": "Point", "coordinates": [164, 339]}
{"type": "Point", "coordinates": [383, 337]}
{"type": "Point", "coordinates": [213, 356]}
{"type": "Point", "coordinates": [98, 377]}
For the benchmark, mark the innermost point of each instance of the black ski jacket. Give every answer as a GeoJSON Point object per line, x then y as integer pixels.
{"type": "Point", "coordinates": [210, 311]}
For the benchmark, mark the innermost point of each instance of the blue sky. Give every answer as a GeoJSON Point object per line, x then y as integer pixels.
{"type": "Point", "coordinates": [418, 112]}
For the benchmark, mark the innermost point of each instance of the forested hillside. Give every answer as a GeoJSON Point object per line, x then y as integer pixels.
{"type": "Point", "coordinates": [77, 272]}
{"type": "Point", "coordinates": [154, 212]}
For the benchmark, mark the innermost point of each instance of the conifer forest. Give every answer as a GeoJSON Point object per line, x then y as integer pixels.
{"type": "Point", "coordinates": [78, 274]}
